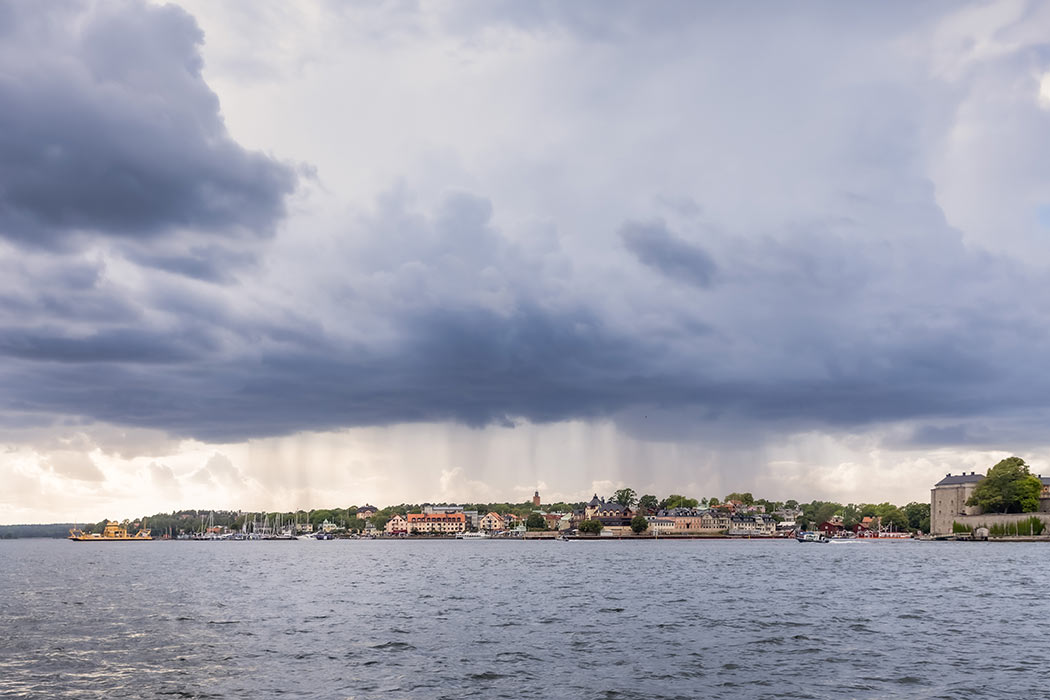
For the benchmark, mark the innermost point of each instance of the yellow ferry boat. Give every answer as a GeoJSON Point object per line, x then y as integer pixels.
{"type": "Point", "coordinates": [113, 532]}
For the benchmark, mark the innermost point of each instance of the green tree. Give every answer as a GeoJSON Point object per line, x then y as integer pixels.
{"type": "Point", "coordinates": [892, 516]}
{"type": "Point", "coordinates": [648, 503]}
{"type": "Point", "coordinates": [677, 501]}
{"type": "Point", "coordinates": [770, 506]}
{"type": "Point", "coordinates": [639, 524]}
{"type": "Point", "coordinates": [1008, 488]}
{"type": "Point", "coordinates": [626, 497]}
{"type": "Point", "coordinates": [791, 504]}
{"type": "Point", "coordinates": [918, 515]}
{"type": "Point", "coordinates": [868, 510]}
{"type": "Point", "coordinates": [824, 512]}
{"type": "Point", "coordinates": [535, 521]}
{"type": "Point", "coordinates": [713, 502]}
{"type": "Point", "coordinates": [591, 527]}
{"type": "Point", "coordinates": [850, 516]}
{"type": "Point", "coordinates": [746, 498]}
{"type": "Point", "coordinates": [379, 521]}
{"type": "Point", "coordinates": [319, 516]}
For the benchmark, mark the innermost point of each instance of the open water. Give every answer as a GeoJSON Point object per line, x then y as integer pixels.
{"type": "Point", "coordinates": [459, 619]}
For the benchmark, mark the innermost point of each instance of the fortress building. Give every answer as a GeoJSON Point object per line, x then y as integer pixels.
{"type": "Point", "coordinates": [948, 501]}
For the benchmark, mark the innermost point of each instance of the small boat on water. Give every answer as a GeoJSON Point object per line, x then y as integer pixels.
{"type": "Point", "coordinates": [112, 532]}
{"type": "Point", "coordinates": [811, 537]}
{"type": "Point", "coordinates": [472, 536]}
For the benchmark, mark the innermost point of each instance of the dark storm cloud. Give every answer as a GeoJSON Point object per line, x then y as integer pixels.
{"type": "Point", "coordinates": [478, 366]}
{"type": "Point", "coordinates": [107, 126]}
{"type": "Point", "coordinates": [471, 366]}
{"type": "Point", "coordinates": [816, 329]}
{"type": "Point", "coordinates": [61, 289]}
{"type": "Point", "coordinates": [654, 245]}
{"type": "Point", "coordinates": [119, 345]}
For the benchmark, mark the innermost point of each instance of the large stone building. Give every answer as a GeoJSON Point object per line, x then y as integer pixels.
{"type": "Point", "coordinates": [948, 501]}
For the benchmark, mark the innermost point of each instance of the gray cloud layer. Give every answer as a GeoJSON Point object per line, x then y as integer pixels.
{"type": "Point", "coordinates": [813, 281]}
{"type": "Point", "coordinates": [108, 127]}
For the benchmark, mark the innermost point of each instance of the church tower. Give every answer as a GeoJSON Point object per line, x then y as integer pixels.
{"type": "Point", "coordinates": [536, 499]}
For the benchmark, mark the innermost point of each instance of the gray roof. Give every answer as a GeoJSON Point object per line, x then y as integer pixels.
{"type": "Point", "coordinates": [950, 480]}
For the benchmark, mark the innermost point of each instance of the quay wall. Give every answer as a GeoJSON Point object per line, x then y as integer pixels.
{"type": "Point", "coordinates": [989, 519]}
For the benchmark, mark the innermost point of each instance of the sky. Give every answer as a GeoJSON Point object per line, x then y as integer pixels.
{"type": "Point", "coordinates": [269, 255]}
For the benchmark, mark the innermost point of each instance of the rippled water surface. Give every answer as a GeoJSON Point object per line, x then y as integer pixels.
{"type": "Point", "coordinates": [456, 619]}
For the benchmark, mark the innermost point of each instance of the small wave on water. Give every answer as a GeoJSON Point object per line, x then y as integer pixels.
{"type": "Point", "coordinates": [393, 646]}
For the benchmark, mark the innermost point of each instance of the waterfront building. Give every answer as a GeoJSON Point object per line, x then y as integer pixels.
{"type": "Point", "coordinates": [686, 520]}
{"type": "Point", "coordinates": [868, 526]}
{"type": "Point", "coordinates": [832, 526]}
{"type": "Point", "coordinates": [612, 514]}
{"type": "Point", "coordinates": [714, 519]}
{"type": "Point", "coordinates": [328, 526]}
{"type": "Point", "coordinates": [692, 521]}
{"type": "Point", "coordinates": [592, 507]}
{"type": "Point", "coordinates": [659, 525]}
{"type": "Point", "coordinates": [553, 520]}
{"type": "Point", "coordinates": [443, 523]}
{"type": "Point", "coordinates": [397, 525]}
{"type": "Point", "coordinates": [492, 522]}
{"type": "Point", "coordinates": [752, 525]}
{"type": "Point", "coordinates": [948, 500]}
{"type": "Point", "coordinates": [470, 515]}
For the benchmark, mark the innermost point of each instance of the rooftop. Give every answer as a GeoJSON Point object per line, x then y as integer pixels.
{"type": "Point", "coordinates": [949, 480]}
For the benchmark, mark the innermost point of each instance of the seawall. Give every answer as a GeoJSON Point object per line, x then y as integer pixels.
{"type": "Point", "coordinates": [989, 519]}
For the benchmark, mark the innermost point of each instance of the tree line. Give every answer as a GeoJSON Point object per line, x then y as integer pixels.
{"type": "Point", "coordinates": [913, 516]}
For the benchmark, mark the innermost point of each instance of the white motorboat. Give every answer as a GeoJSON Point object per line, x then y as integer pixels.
{"type": "Point", "coordinates": [472, 536]}
{"type": "Point", "coordinates": [811, 537]}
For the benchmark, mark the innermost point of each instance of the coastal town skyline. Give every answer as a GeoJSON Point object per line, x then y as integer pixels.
{"type": "Point", "coordinates": [271, 254]}
{"type": "Point", "coordinates": [623, 513]}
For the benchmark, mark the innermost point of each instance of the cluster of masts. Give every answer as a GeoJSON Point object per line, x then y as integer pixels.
{"type": "Point", "coordinates": [253, 528]}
